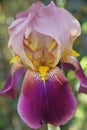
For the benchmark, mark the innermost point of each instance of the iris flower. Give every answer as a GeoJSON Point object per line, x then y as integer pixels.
{"type": "Point", "coordinates": [41, 41]}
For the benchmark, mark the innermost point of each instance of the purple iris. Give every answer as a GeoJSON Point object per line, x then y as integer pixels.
{"type": "Point", "coordinates": [40, 38]}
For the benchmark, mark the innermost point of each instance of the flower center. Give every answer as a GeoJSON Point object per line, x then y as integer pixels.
{"type": "Point", "coordinates": [40, 53]}
{"type": "Point", "coordinates": [43, 70]}
{"type": "Point", "coordinates": [41, 50]}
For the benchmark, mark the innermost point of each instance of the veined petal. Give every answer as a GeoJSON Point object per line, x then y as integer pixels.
{"type": "Point", "coordinates": [50, 101]}
{"type": "Point", "coordinates": [73, 64]}
{"type": "Point", "coordinates": [61, 101]}
{"type": "Point", "coordinates": [32, 105]}
{"type": "Point", "coordinates": [11, 85]}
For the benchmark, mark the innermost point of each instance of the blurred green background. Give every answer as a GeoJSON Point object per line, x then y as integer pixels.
{"type": "Point", "coordinates": [9, 119]}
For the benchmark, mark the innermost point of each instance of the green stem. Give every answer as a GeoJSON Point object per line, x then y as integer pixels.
{"type": "Point", "coordinates": [51, 127]}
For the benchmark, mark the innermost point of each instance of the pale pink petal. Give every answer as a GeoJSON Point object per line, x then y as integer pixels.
{"type": "Point", "coordinates": [49, 20]}
{"type": "Point", "coordinates": [16, 23]}
{"type": "Point", "coordinates": [18, 27]}
{"type": "Point", "coordinates": [17, 31]}
{"type": "Point", "coordinates": [57, 23]}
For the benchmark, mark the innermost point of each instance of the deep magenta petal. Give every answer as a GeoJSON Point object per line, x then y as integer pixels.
{"type": "Point", "coordinates": [83, 80]}
{"type": "Point", "coordinates": [67, 66]}
{"type": "Point", "coordinates": [61, 101]}
{"type": "Point", "coordinates": [51, 101]}
{"type": "Point", "coordinates": [11, 85]}
{"type": "Point", "coordinates": [73, 64]}
{"type": "Point", "coordinates": [32, 105]}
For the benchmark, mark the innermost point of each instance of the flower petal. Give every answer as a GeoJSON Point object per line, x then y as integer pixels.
{"type": "Point", "coordinates": [52, 21]}
{"type": "Point", "coordinates": [31, 105]}
{"type": "Point", "coordinates": [10, 87]}
{"type": "Point", "coordinates": [39, 18]}
{"type": "Point", "coordinates": [50, 101]}
{"type": "Point", "coordinates": [16, 41]}
{"type": "Point", "coordinates": [73, 64]}
{"type": "Point", "coordinates": [61, 101]}
{"type": "Point", "coordinates": [15, 23]}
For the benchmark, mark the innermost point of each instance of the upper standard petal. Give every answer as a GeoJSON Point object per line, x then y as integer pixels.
{"type": "Point", "coordinates": [47, 21]}
{"type": "Point", "coordinates": [57, 23]}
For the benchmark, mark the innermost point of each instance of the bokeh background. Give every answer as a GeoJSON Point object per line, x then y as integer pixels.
{"type": "Point", "coordinates": [9, 119]}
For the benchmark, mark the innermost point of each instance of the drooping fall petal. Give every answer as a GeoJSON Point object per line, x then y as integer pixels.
{"type": "Point", "coordinates": [61, 101]}
{"type": "Point", "coordinates": [73, 64]}
{"type": "Point", "coordinates": [11, 85]}
{"type": "Point", "coordinates": [32, 105]}
{"type": "Point", "coordinates": [50, 101]}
